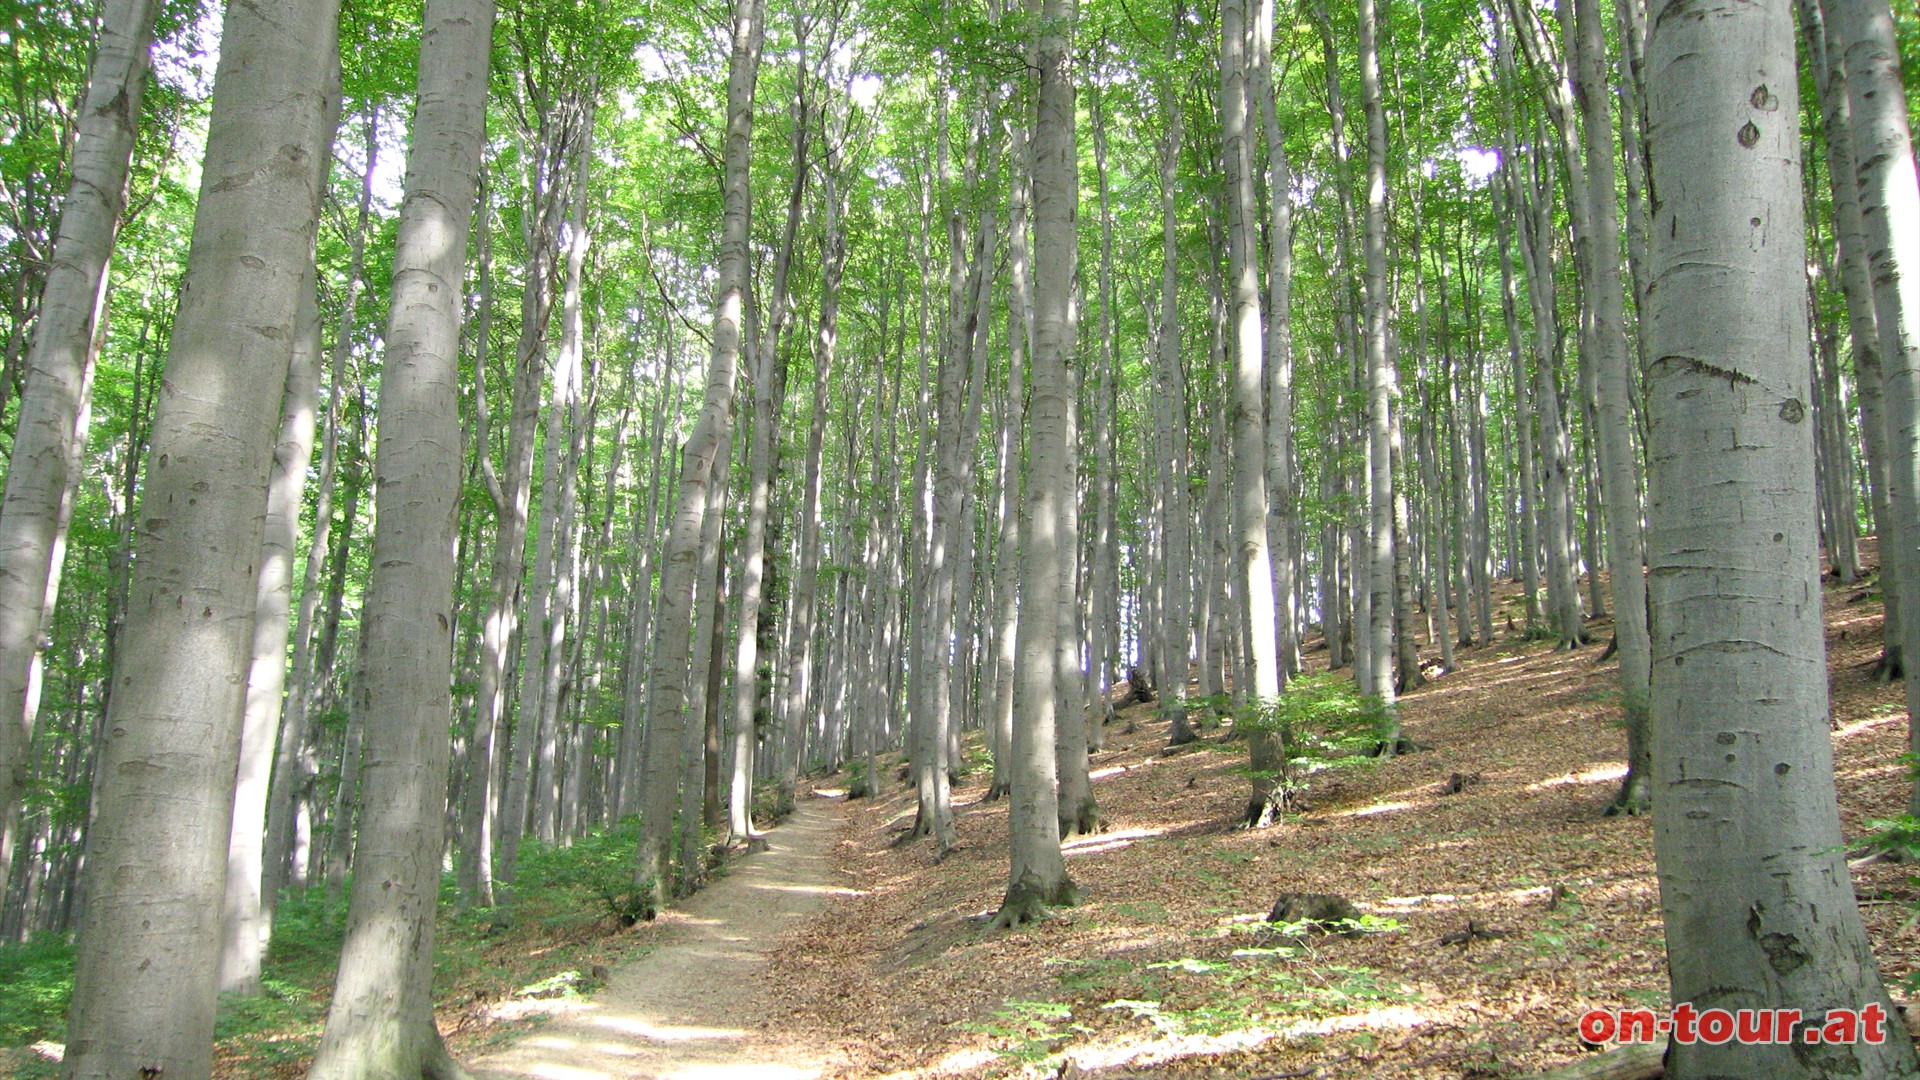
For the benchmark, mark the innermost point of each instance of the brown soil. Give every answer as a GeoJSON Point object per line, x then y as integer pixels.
{"type": "Point", "coordinates": [1162, 971]}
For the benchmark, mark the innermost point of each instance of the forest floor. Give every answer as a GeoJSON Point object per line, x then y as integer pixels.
{"type": "Point", "coordinates": [1164, 968]}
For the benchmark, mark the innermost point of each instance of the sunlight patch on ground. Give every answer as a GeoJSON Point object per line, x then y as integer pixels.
{"type": "Point", "coordinates": [1856, 727]}
{"type": "Point", "coordinates": [1105, 842]}
{"type": "Point", "coordinates": [744, 1071]}
{"type": "Point", "coordinates": [647, 1029]}
{"type": "Point", "coordinates": [811, 890]}
{"type": "Point", "coordinates": [1600, 775]}
{"type": "Point", "coordinates": [1877, 770]}
{"type": "Point", "coordinates": [551, 1071]}
{"type": "Point", "coordinates": [1376, 808]}
{"type": "Point", "coordinates": [1167, 1048]}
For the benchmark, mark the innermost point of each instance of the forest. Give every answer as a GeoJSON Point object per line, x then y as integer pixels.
{"type": "Point", "coordinates": [554, 475]}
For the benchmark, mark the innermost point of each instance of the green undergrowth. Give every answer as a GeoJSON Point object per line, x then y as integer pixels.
{"type": "Point", "coordinates": [561, 929]}
{"type": "Point", "coordinates": [1262, 986]}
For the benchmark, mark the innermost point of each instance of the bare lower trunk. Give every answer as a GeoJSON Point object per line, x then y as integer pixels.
{"type": "Point", "coordinates": [667, 690]}
{"type": "Point", "coordinates": [1383, 384]}
{"type": "Point", "coordinates": [1038, 875]}
{"type": "Point", "coordinates": [144, 976]}
{"type": "Point", "coordinates": [1765, 917]}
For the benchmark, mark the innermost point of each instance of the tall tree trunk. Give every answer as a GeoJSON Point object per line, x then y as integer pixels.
{"type": "Point", "coordinates": [1279, 416]}
{"type": "Point", "coordinates": [1176, 630]}
{"type": "Point", "coordinates": [244, 936]}
{"type": "Point", "coordinates": [144, 975]}
{"type": "Point", "coordinates": [1254, 579]}
{"type": "Point", "coordinates": [1827, 54]}
{"type": "Point", "coordinates": [769, 381]}
{"type": "Point", "coordinates": [1890, 215]}
{"type": "Point", "coordinates": [1762, 917]}
{"type": "Point", "coordinates": [667, 679]}
{"type": "Point", "coordinates": [1038, 877]}
{"type": "Point", "coordinates": [1527, 504]}
{"type": "Point", "coordinates": [1007, 560]}
{"type": "Point", "coordinates": [60, 363]}
{"type": "Point", "coordinates": [633, 698]}
{"type": "Point", "coordinates": [806, 582]}
{"type": "Point", "coordinates": [293, 759]}
{"type": "Point", "coordinates": [1382, 381]}
{"type": "Point", "coordinates": [380, 1020]}
{"type": "Point", "coordinates": [561, 510]}
{"type": "Point", "coordinates": [512, 492]}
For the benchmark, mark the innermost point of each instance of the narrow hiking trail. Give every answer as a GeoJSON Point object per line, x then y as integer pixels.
{"type": "Point", "coordinates": [695, 1008]}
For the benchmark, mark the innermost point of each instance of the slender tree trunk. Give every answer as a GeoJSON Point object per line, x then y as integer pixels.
{"type": "Point", "coordinates": [1613, 368]}
{"type": "Point", "coordinates": [292, 763]}
{"type": "Point", "coordinates": [1382, 380]}
{"type": "Point", "coordinates": [1826, 54]}
{"type": "Point", "coordinates": [1889, 213]}
{"type": "Point", "coordinates": [1279, 343]}
{"type": "Point", "coordinates": [245, 926]}
{"type": "Point", "coordinates": [144, 976]}
{"type": "Point", "coordinates": [667, 689]}
{"type": "Point", "coordinates": [1038, 875]}
{"type": "Point", "coordinates": [59, 364]}
{"type": "Point", "coordinates": [561, 510]}
{"type": "Point", "coordinates": [769, 381]}
{"type": "Point", "coordinates": [1176, 631]}
{"type": "Point", "coordinates": [380, 1020]}
{"type": "Point", "coordinates": [1007, 564]}
{"type": "Point", "coordinates": [1764, 918]}
{"type": "Point", "coordinates": [1251, 448]}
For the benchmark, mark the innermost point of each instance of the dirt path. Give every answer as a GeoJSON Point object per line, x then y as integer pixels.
{"type": "Point", "coordinates": [692, 1009]}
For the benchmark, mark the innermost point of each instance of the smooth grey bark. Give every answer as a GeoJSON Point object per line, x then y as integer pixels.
{"type": "Point", "coordinates": [59, 363]}
{"type": "Point", "coordinates": [144, 973]}
{"type": "Point", "coordinates": [1759, 917]}
{"type": "Point", "coordinates": [1012, 420]}
{"type": "Point", "coordinates": [806, 581]}
{"type": "Point", "coordinates": [1103, 606]}
{"type": "Point", "coordinates": [1614, 375]}
{"type": "Point", "coordinates": [1521, 388]}
{"type": "Point", "coordinates": [1176, 630]}
{"type": "Point", "coordinates": [1279, 344]}
{"type": "Point", "coordinates": [244, 936]}
{"type": "Point", "coordinates": [1254, 579]}
{"type": "Point", "coordinates": [293, 761]}
{"type": "Point", "coordinates": [699, 808]}
{"type": "Point", "coordinates": [1529, 214]}
{"type": "Point", "coordinates": [1383, 388]}
{"type": "Point", "coordinates": [667, 677]}
{"type": "Point", "coordinates": [769, 382]}
{"type": "Point", "coordinates": [1856, 283]}
{"type": "Point", "coordinates": [1037, 877]}
{"type": "Point", "coordinates": [567, 432]}
{"type": "Point", "coordinates": [380, 1022]}
{"type": "Point", "coordinates": [512, 490]}
{"type": "Point", "coordinates": [633, 699]}
{"type": "Point", "coordinates": [1882, 143]}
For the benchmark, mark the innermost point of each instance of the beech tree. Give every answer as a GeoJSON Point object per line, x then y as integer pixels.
{"type": "Point", "coordinates": [51, 426]}
{"type": "Point", "coordinates": [144, 978]}
{"type": "Point", "coordinates": [1038, 877]}
{"type": "Point", "coordinates": [1759, 917]}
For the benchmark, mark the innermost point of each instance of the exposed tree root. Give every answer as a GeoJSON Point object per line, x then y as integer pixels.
{"type": "Point", "coordinates": [1084, 821]}
{"type": "Point", "coordinates": [1633, 798]}
{"type": "Point", "coordinates": [1027, 901]}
